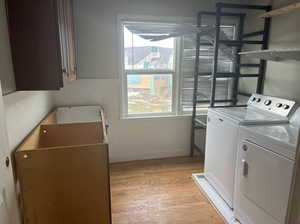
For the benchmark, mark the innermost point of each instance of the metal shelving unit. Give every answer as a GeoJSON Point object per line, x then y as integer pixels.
{"type": "Point", "coordinates": [274, 55]}
{"type": "Point", "coordinates": [240, 40]}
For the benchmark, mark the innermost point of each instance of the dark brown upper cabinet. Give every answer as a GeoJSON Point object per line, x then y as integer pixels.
{"type": "Point", "coordinates": [42, 43]}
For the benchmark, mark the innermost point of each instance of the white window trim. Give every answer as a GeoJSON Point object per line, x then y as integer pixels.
{"type": "Point", "coordinates": [122, 19]}
{"type": "Point", "coordinates": [177, 109]}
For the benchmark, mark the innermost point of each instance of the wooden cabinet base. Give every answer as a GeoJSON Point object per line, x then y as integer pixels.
{"type": "Point", "coordinates": [65, 179]}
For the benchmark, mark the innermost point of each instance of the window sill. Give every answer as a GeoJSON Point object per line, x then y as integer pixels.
{"type": "Point", "coordinates": [134, 117]}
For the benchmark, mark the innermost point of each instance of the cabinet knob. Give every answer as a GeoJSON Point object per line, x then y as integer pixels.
{"type": "Point", "coordinates": [7, 162]}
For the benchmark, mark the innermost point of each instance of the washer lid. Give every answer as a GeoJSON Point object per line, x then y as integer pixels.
{"type": "Point", "coordinates": [248, 116]}
{"type": "Point", "coordinates": [282, 139]}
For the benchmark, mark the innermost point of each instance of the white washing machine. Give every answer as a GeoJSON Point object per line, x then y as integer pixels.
{"type": "Point", "coordinates": [266, 187]}
{"type": "Point", "coordinates": [222, 134]}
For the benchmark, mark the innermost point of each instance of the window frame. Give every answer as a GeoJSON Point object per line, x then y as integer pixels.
{"type": "Point", "coordinates": [177, 82]}
{"type": "Point", "coordinates": [124, 72]}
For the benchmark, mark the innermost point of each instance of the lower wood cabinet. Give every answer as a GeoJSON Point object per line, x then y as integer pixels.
{"type": "Point", "coordinates": [63, 172]}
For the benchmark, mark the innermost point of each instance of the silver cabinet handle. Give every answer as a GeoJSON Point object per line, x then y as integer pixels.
{"type": "Point", "coordinates": [245, 168]}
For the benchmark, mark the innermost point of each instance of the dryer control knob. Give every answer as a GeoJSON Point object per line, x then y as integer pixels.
{"type": "Point", "coordinates": [285, 106]}
{"type": "Point", "coordinates": [279, 105]}
{"type": "Point", "coordinates": [268, 102]}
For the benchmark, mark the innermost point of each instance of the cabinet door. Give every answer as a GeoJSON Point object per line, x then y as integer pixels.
{"type": "Point", "coordinates": [63, 36]}
{"type": "Point", "coordinates": [67, 39]}
{"type": "Point", "coordinates": [71, 39]}
{"type": "Point", "coordinates": [34, 37]}
{"type": "Point", "coordinates": [65, 186]}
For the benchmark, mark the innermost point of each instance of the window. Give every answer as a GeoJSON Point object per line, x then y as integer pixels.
{"type": "Point", "coordinates": [187, 65]}
{"type": "Point", "coordinates": [149, 71]}
{"type": "Point", "coordinates": [158, 76]}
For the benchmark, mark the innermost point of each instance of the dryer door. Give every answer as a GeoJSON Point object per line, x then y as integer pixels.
{"type": "Point", "coordinates": [263, 184]}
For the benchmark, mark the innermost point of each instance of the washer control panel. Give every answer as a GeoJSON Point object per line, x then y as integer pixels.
{"type": "Point", "coordinates": [275, 105]}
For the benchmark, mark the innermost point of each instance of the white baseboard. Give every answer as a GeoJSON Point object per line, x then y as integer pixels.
{"type": "Point", "coordinates": [216, 200]}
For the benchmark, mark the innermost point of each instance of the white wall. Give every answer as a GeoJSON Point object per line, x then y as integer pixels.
{"type": "Point", "coordinates": [24, 110]}
{"type": "Point", "coordinates": [6, 69]}
{"type": "Point", "coordinates": [282, 78]}
{"type": "Point", "coordinates": [97, 38]}
{"type": "Point", "coordinates": [97, 31]}
{"type": "Point", "coordinates": [132, 139]}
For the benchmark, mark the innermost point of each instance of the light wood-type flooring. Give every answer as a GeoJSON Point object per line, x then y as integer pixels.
{"type": "Point", "coordinates": [159, 192]}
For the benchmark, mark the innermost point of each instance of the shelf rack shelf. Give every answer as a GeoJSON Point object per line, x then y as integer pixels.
{"type": "Point", "coordinates": [281, 11]}
{"type": "Point", "coordinates": [235, 75]}
{"type": "Point", "coordinates": [274, 55]}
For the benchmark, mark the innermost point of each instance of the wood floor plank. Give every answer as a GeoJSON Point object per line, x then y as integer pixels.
{"type": "Point", "coordinates": [159, 192]}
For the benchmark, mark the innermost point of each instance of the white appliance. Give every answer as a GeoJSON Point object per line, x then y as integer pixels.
{"type": "Point", "coordinates": [266, 188]}
{"type": "Point", "coordinates": [222, 137]}
{"type": "Point", "coordinates": [222, 134]}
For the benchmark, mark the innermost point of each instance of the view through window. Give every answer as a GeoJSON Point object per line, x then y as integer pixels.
{"type": "Point", "coordinates": [149, 71]}
{"type": "Point", "coordinates": [151, 84]}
